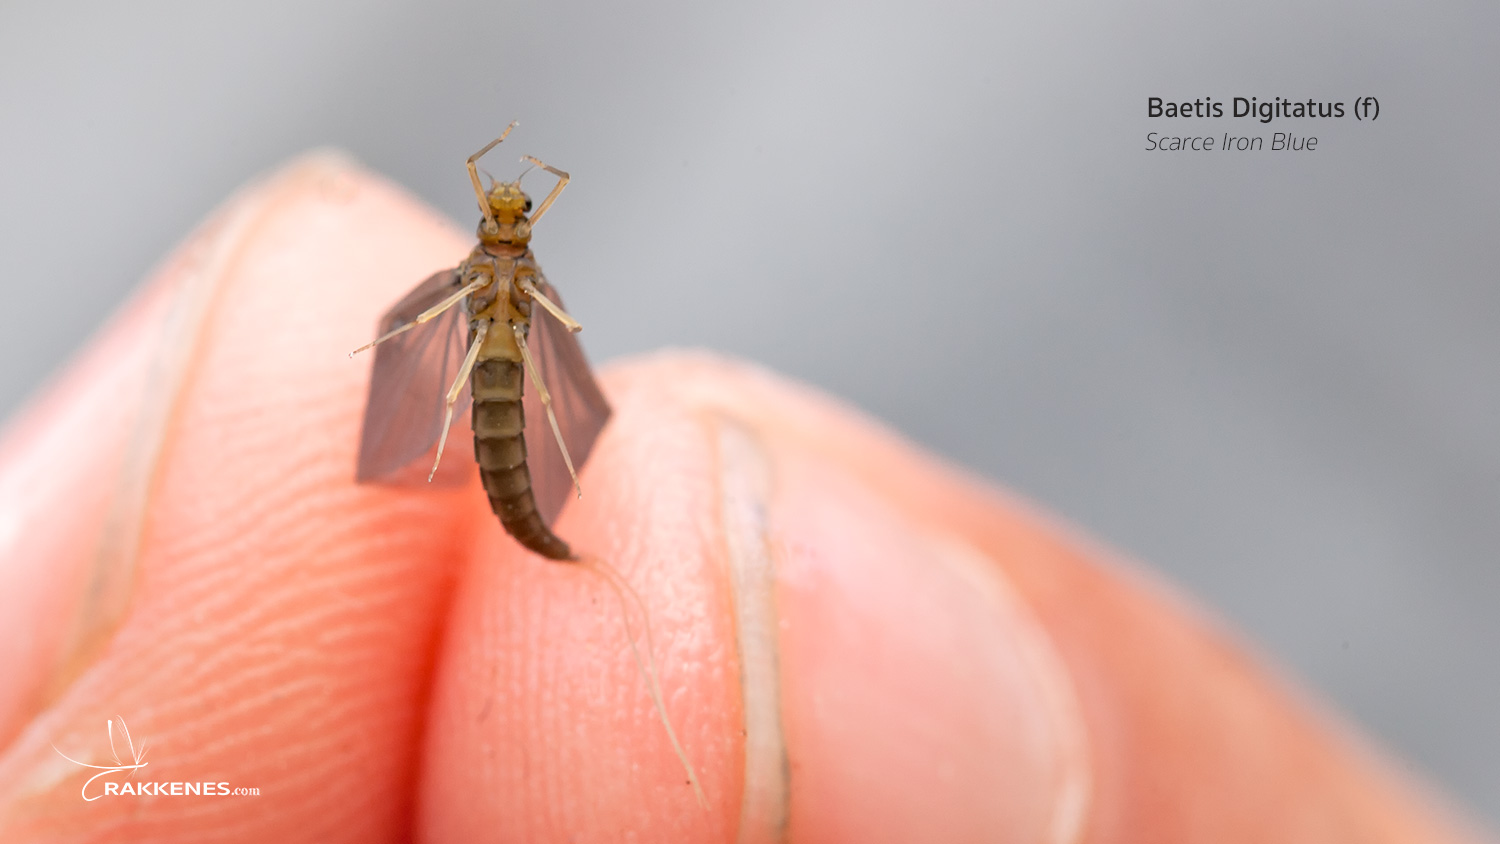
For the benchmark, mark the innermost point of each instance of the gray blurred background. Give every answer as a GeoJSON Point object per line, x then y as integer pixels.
{"type": "Point", "coordinates": [1270, 376]}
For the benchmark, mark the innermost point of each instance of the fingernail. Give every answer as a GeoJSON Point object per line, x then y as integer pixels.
{"type": "Point", "coordinates": [918, 699]}
{"type": "Point", "coordinates": [745, 489]}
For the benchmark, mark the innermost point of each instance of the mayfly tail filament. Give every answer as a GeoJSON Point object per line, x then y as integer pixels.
{"type": "Point", "coordinates": [646, 666]}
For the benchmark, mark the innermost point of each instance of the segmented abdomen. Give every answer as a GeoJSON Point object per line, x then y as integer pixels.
{"type": "Point", "coordinates": [501, 451]}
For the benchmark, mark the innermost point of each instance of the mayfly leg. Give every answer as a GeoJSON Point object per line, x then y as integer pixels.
{"type": "Point", "coordinates": [484, 205]}
{"type": "Point", "coordinates": [481, 328]}
{"type": "Point", "coordinates": [562, 182]}
{"type": "Point", "coordinates": [551, 306]}
{"type": "Point", "coordinates": [426, 315]}
{"type": "Point", "coordinates": [546, 399]}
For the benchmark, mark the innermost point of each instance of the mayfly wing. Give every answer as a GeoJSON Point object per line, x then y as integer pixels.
{"type": "Point", "coordinates": [576, 399]}
{"type": "Point", "coordinates": [408, 387]}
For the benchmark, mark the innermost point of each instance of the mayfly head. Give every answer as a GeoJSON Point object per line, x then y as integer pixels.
{"type": "Point", "coordinates": [509, 206]}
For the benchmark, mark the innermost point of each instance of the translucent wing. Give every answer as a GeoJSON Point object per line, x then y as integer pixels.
{"type": "Point", "coordinates": [580, 407]}
{"type": "Point", "coordinates": [411, 377]}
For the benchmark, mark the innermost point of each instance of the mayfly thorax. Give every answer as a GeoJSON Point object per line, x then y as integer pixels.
{"type": "Point", "coordinates": [490, 332]}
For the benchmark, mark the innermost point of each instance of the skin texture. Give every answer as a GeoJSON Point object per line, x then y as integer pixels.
{"type": "Point", "coordinates": [855, 642]}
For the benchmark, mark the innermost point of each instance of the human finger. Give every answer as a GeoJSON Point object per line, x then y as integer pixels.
{"type": "Point", "coordinates": [859, 643]}
{"type": "Point", "coordinates": [192, 558]}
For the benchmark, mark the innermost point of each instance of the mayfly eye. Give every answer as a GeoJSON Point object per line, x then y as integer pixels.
{"type": "Point", "coordinates": [528, 203]}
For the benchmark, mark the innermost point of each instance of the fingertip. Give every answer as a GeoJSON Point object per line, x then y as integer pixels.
{"type": "Point", "coordinates": [541, 724]}
{"type": "Point", "coordinates": [817, 672]}
{"type": "Point", "coordinates": [277, 621]}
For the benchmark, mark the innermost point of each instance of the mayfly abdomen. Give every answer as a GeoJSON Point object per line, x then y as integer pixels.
{"type": "Point", "coordinates": [500, 449]}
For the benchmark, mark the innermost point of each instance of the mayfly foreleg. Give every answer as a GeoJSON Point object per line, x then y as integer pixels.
{"type": "Point", "coordinates": [484, 205]}
{"type": "Point", "coordinates": [481, 328]}
{"type": "Point", "coordinates": [426, 315]}
{"type": "Point", "coordinates": [551, 306]}
{"type": "Point", "coordinates": [546, 399]}
{"type": "Point", "coordinates": [562, 182]}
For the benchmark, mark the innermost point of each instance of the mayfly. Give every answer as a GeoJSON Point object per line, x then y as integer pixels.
{"type": "Point", "coordinates": [472, 335]}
